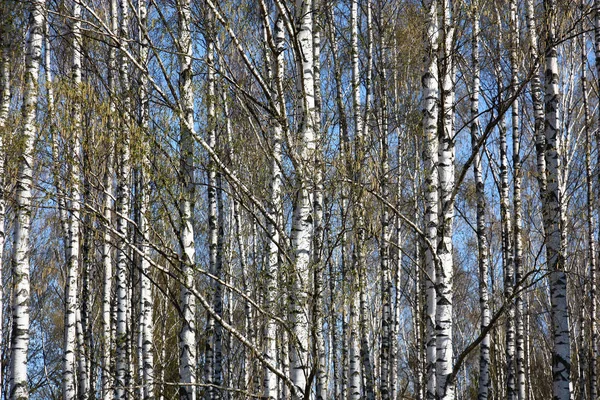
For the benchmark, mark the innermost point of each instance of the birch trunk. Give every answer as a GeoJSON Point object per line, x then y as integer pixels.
{"type": "Point", "coordinates": [237, 219]}
{"type": "Point", "coordinates": [209, 367]}
{"type": "Point", "coordinates": [361, 154]}
{"type": "Point", "coordinates": [146, 299]}
{"type": "Point", "coordinates": [18, 385]}
{"type": "Point", "coordinates": [270, 381]}
{"type": "Point", "coordinates": [445, 275]}
{"type": "Point", "coordinates": [107, 261]}
{"type": "Point", "coordinates": [214, 332]}
{"type": "Point", "coordinates": [482, 244]}
{"type": "Point", "coordinates": [340, 373]}
{"type": "Point", "coordinates": [594, 353]}
{"type": "Point", "coordinates": [561, 354]}
{"type": "Point", "coordinates": [187, 334]}
{"type": "Point", "coordinates": [396, 311]}
{"type": "Point", "coordinates": [517, 202]}
{"type": "Point", "coordinates": [354, 369]}
{"type": "Point", "coordinates": [4, 109]}
{"type": "Point", "coordinates": [123, 210]}
{"type": "Point", "coordinates": [71, 293]}
{"type": "Point", "coordinates": [302, 221]}
{"type": "Point", "coordinates": [218, 299]}
{"type": "Point", "coordinates": [319, 229]}
{"type": "Point", "coordinates": [387, 320]}
{"type": "Point", "coordinates": [506, 239]}
{"type": "Point", "coordinates": [536, 95]}
{"type": "Point", "coordinates": [430, 163]}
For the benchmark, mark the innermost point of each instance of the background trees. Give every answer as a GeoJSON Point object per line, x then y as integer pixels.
{"type": "Point", "coordinates": [299, 199]}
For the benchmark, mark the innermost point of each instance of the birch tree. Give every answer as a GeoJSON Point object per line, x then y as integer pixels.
{"type": "Point", "coordinates": [71, 289]}
{"type": "Point", "coordinates": [146, 300]}
{"type": "Point", "coordinates": [593, 371]}
{"type": "Point", "coordinates": [552, 199]}
{"type": "Point", "coordinates": [277, 73]}
{"type": "Point", "coordinates": [517, 202]}
{"type": "Point", "coordinates": [446, 151]}
{"type": "Point", "coordinates": [354, 370]}
{"type": "Point", "coordinates": [123, 205]}
{"type": "Point", "coordinates": [314, 142]}
{"type": "Point", "coordinates": [430, 161]}
{"type": "Point", "coordinates": [18, 386]}
{"type": "Point", "coordinates": [107, 258]}
{"type": "Point", "coordinates": [507, 238]}
{"type": "Point", "coordinates": [187, 334]}
{"type": "Point", "coordinates": [302, 220]}
{"type": "Point", "coordinates": [214, 256]}
{"type": "Point", "coordinates": [482, 241]}
{"type": "Point", "coordinates": [4, 109]}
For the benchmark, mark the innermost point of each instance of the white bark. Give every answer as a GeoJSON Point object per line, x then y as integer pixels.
{"type": "Point", "coordinates": [536, 95]}
{"type": "Point", "coordinates": [82, 389]}
{"type": "Point", "coordinates": [561, 354]}
{"type": "Point", "coordinates": [270, 381]}
{"type": "Point", "coordinates": [218, 299]}
{"type": "Point", "coordinates": [71, 293]}
{"type": "Point", "coordinates": [361, 159]}
{"type": "Point", "coordinates": [340, 373]}
{"type": "Point", "coordinates": [107, 259]}
{"type": "Point", "coordinates": [445, 272]}
{"type": "Point", "coordinates": [146, 300]}
{"type": "Point", "coordinates": [4, 109]}
{"type": "Point", "coordinates": [319, 350]}
{"type": "Point", "coordinates": [354, 368]}
{"type": "Point", "coordinates": [507, 255]}
{"type": "Point", "coordinates": [594, 352]}
{"type": "Point", "coordinates": [122, 337]}
{"type": "Point", "coordinates": [517, 202]}
{"type": "Point", "coordinates": [209, 368]}
{"type": "Point", "coordinates": [387, 321]}
{"type": "Point", "coordinates": [18, 386]}
{"type": "Point", "coordinates": [482, 244]}
{"type": "Point", "coordinates": [396, 309]}
{"type": "Point", "coordinates": [430, 105]}
{"type": "Point", "coordinates": [302, 222]}
{"type": "Point", "coordinates": [187, 334]}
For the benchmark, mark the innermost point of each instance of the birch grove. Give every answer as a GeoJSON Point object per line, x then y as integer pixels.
{"type": "Point", "coordinates": [306, 199]}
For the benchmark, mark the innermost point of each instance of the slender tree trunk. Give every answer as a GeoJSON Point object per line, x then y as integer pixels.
{"type": "Point", "coordinates": [561, 354]}
{"type": "Point", "coordinates": [517, 202]}
{"type": "Point", "coordinates": [4, 108]}
{"type": "Point", "coordinates": [218, 300]}
{"type": "Point", "coordinates": [18, 386]}
{"type": "Point", "coordinates": [387, 320]}
{"type": "Point", "coordinates": [506, 239]}
{"type": "Point", "coordinates": [107, 261]}
{"type": "Point", "coordinates": [318, 236]}
{"type": "Point", "coordinates": [594, 353]}
{"type": "Point", "coordinates": [302, 221]}
{"type": "Point", "coordinates": [536, 95]}
{"type": "Point", "coordinates": [361, 165]}
{"type": "Point", "coordinates": [213, 368]}
{"type": "Point", "coordinates": [146, 299]}
{"type": "Point", "coordinates": [397, 277]}
{"type": "Point", "coordinates": [123, 210]}
{"type": "Point", "coordinates": [209, 356]}
{"type": "Point", "coordinates": [71, 293]}
{"type": "Point", "coordinates": [482, 244]}
{"type": "Point", "coordinates": [354, 370]}
{"type": "Point", "coordinates": [341, 372]}
{"type": "Point", "coordinates": [187, 334]}
{"type": "Point", "coordinates": [430, 163]}
{"type": "Point", "coordinates": [269, 381]}
{"type": "Point", "coordinates": [445, 275]}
